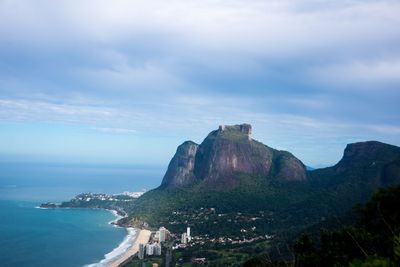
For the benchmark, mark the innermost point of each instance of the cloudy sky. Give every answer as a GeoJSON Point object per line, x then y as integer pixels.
{"type": "Point", "coordinates": [127, 81]}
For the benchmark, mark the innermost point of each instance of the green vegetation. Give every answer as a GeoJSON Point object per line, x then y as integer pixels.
{"type": "Point", "coordinates": [260, 208]}
{"type": "Point", "coordinates": [374, 240]}
{"type": "Point", "coordinates": [284, 209]}
{"type": "Point", "coordinates": [219, 255]}
{"type": "Point", "coordinates": [288, 208]}
{"type": "Point", "coordinates": [119, 203]}
{"type": "Point", "coordinates": [148, 262]}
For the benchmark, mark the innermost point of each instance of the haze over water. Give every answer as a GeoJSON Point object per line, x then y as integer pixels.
{"type": "Point", "coordinates": [59, 182]}
{"type": "Point", "coordinates": [30, 236]}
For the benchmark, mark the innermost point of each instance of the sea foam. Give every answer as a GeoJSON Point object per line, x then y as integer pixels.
{"type": "Point", "coordinates": [118, 217]}
{"type": "Point", "coordinates": [116, 253]}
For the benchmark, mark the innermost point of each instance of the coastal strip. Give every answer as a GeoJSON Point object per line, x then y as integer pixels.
{"type": "Point", "coordinates": [143, 237]}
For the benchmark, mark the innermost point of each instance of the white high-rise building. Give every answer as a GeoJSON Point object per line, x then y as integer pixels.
{"type": "Point", "coordinates": [184, 238]}
{"type": "Point", "coordinates": [141, 251]}
{"type": "Point", "coordinates": [188, 234]}
{"type": "Point", "coordinates": [150, 249]}
{"type": "Point", "coordinates": [157, 249]}
{"type": "Point", "coordinates": [163, 234]}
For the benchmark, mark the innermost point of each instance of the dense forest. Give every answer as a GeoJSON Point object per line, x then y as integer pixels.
{"type": "Point", "coordinates": [372, 241]}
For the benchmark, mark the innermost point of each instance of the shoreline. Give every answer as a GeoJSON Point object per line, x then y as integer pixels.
{"type": "Point", "coordinates": [129, 245]}
{"type": "Point", "coordinates": [118, 218]}
{"type": "Point", "coordinates": [142, 237]}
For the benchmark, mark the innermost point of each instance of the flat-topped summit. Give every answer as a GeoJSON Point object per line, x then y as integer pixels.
{"type": "Point", "coordinates": [240, 129]}
{"type": "Point", "coordinates": [368, 150]}
{"type": "Point", "coordinates": [227, 155]}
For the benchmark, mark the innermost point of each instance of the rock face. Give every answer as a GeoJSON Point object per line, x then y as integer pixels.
{"type": "Point", "coordinates": [226, 156]}
{"type": "Point", "coordinates": [180, 169]}
{"type": "Point", "coordinates": [289, 167]}
{"type": "Point", "coordinates": [370, 163]}
{"type": "Point", "coordinates": [379, 163]}
{"type": "Point", "coordinates": [367, 153]}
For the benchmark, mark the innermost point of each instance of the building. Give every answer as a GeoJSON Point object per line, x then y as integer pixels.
{"type": "Point", "coordinates": [184, 238]}
{"type": "Point", "coordinates": [149, 249]}
{"type": "Point", "coordinates": [199, 260]}
{"type": "Point", "coordinates": [141, 251]}
{"type": "Point", "coordinates": [164, 234]}
{"type": "Point", "coordinates": [157, 236]}
{"type": "Point", "coordinates": [188, 234]}
{"type": "Point", "coordinates": [157, 249]}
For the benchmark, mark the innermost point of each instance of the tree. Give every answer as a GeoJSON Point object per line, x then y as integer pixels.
{"type": "Point", "coordinates": [305, 253]}
{"type": "Point", "coordinates": [374, 241]}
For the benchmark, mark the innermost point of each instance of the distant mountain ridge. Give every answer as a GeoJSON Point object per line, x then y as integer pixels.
{"type": "Point", "coordinates": [370, 162]}
{"type": "Point", "coordinates": [227, 154]}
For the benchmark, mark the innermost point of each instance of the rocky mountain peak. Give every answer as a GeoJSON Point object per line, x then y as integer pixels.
{"type": "Point", "coordinates": [369, 152]}
{"type": "Point", "coordinates": [226, 156]}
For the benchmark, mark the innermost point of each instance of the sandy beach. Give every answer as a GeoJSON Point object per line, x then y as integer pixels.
{"type": "Point", "coordinates": [142, 238]}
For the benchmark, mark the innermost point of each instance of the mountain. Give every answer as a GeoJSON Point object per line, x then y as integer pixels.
{"type": "Point", "coordinates": [232, 174]}
{"type": "Point", "coordinates": [226, 155]}
{"type": "Point", "coordinates": [371, 163]}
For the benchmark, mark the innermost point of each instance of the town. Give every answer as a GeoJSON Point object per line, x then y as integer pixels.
{"type": "Point", "coordinates": [188, 236]}
{"type": "Point", "coordinates": [125, 196]}
{"type": "Point", "coordinates": [174, 244]}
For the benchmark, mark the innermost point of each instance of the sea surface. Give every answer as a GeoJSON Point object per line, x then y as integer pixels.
{"type": "Point", "coordinates": [30, 236]}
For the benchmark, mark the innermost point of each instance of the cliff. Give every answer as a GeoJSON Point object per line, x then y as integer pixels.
{"type": "Point", "coordinates": [180, 169]}
{"type": "Point", "coordinates": [226, 156]}
{"type": "Point", "coordinates": [369, 163]}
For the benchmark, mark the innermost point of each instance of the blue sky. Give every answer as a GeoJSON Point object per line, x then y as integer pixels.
{"type": "Point", "coordinates": [128, 81]}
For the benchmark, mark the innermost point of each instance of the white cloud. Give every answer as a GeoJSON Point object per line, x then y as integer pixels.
{"type": "Point", "coordinates": [385, 129]}
{"type": "Point", "coordinates": [148, 77]}
{"type": "Point", "coordinates": [260, 27]}
{"type": "Point", "coordinates": [182, 67]}
{"type": "Point", "coordinates": [27, 110]}
{"type": "Point", "coordinates": [115, 130]}
{"type": "Point", "coordinates": [360, 74]}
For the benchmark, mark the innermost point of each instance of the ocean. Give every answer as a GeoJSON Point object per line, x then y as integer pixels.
{"type": "Point", "coordinates": [30, 236]}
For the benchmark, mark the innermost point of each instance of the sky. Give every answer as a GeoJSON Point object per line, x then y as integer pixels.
{"type": "Point", "coordinates": [125, 82]}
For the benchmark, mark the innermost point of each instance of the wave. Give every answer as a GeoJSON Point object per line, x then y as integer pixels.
{"type": "Point", "coordinates": [118, 217]}
{"type": "Point", "coordinates": [117, 252]}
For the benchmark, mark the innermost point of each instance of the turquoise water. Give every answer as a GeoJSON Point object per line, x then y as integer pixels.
{"type": "Point", "coordinates": [31, 236]}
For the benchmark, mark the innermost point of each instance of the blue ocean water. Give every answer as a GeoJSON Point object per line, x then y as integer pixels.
{"type": "Point", "coordinates": [31, 236]}
{"type": "Point", "coordinates": [54, 237]}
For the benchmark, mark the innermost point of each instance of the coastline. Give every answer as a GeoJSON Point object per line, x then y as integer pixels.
{"type": "Point", "coordinates": [118, 217]}
{"type": "Point", "coordinates": [142, 237]}
{"type": "Point", "coordinates": [127, 249]}
{"type": "Point", "coordinates": [129, 246]}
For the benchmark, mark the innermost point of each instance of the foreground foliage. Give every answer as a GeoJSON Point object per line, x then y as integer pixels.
{"type": "Point", "coordinates": [373, 241]}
